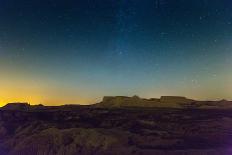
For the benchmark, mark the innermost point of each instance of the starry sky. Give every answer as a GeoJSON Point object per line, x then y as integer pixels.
{"type": "Point", "coordinates": [77, 51]}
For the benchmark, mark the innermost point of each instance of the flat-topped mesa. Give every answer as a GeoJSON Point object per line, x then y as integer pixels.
{"type": "Point", "coordinates": [17, 106]}
{"type": "Point", "coordinates": [120, 101]}
{"type": "Point", "coordinates": [120, 98]}
{"type": "Point", "coordinates": [175, 99]}
{"type": "Point", "coordinates": [135, 101]}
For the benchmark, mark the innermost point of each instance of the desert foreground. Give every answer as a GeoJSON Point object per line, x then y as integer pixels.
{"type": "Point", "coordinates": [90, 130]}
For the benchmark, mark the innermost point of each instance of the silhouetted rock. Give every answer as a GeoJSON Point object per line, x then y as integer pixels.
{"type": "Point", "coordinates": [16, 106]}
{"type": "Point", "coordinates": [164, 102]}
{"type": "Point", "coordinates": [135, 101]}
{"type": "Point", "coordinates": [175, 99]}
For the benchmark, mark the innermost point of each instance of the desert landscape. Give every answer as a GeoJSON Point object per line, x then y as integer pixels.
{"type": "Point", "coordinates": [115, 77]}
{"type": "Point", "coordinates": [118, 125]}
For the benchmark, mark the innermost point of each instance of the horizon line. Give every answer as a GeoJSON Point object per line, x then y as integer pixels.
{"type": "Point", "coordinates": [86, 104]}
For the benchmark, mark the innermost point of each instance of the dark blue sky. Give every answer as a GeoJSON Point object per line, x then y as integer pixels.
{"type": "Point", "coordinates": [76, 51]}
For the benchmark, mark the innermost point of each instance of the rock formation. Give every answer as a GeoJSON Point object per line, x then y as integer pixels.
{"type": "Point", "coordinates": [135, 101]}
{"type": "Point", "coordinates": [163, 102]}
{"type": "Point", "coordinates": [16, 106]}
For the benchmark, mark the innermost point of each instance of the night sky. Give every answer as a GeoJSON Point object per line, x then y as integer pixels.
{"type": "Point", "coordinates": [77, 51]}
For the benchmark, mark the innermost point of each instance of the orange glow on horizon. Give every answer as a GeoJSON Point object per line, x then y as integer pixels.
{"type": "Point", "coordinates": [47, 102]}
{"type": "Point", "coordinates": [44, 92]}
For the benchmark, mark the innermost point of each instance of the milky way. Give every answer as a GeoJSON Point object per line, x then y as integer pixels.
{"type": "Point", "coordinates": [56, 52]}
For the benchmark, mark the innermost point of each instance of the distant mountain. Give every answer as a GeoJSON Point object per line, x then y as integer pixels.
{"type": "Point", "coordinates": [135, 101]}
{"type": "Point", "coordinates": [16, 106]}
{"type": "Point", "coordinates": [22, 106]}
{"type": "Point", "coordinates": [162, 102]}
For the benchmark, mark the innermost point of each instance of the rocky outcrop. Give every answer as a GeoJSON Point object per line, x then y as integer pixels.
{"type": "Point", "coordinates": [163, 102]}
{"type": "Point", "coordinates": [174, 99]}
{"type": "Point", "coordinates": [135, 101]}
{"type": "Point", "coordinates": [124, 101]}
{"type": "Point", "coordinates": [16, 106]}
